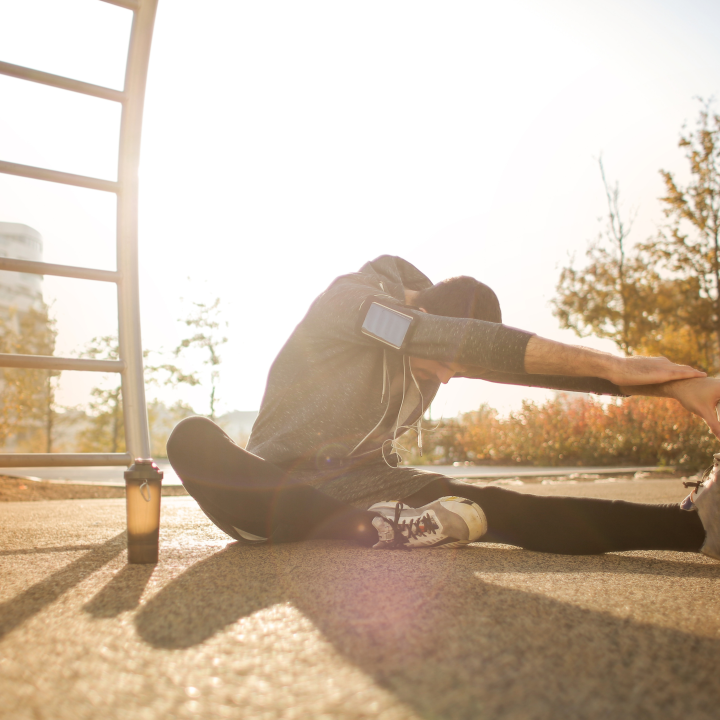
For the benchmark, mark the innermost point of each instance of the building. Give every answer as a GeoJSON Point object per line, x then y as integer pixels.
{"type": "Point", "coordinates": [19, 291]}
{"type": "Point", "coordinates": [238, 424]}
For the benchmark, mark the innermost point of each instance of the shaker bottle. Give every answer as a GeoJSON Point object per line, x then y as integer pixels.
{"type": "Point", "coordinates": [143, 483]}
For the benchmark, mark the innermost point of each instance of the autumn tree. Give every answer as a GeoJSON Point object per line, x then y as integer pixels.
{"type": "Point", "coordinates": [27, 396]}
{"type": "Point", "coordinates": [609, 297]}
{"type": "Point", "coordinates": [687, 250]}
{"type": "Point", "coordinates": [660, 297]}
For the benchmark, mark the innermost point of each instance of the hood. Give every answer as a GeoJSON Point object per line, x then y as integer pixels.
{"type": "Point", "coordinates": [396, 275]}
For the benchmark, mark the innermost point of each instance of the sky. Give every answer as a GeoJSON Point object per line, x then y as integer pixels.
{"type": "Point", "coordinates": [287, 143]}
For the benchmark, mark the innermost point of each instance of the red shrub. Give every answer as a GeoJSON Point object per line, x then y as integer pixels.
{"type": "Point", "coordinates": [580, 431]}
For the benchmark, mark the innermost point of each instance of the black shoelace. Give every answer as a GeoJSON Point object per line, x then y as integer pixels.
{"type": "Point", "coordinates": [697, 485]}
{"type": "Point", "coordinates": [407, 530]}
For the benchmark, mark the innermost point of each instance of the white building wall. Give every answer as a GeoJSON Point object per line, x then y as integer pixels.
{"type": "Point", "coordinates": [19, 291]}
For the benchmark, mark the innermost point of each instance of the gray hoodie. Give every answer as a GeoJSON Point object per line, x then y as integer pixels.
{"type": "Point", "coordinates": [336, 398]}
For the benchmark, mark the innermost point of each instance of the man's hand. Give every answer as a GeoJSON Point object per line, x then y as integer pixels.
{"type": "Point", "coordinates": [656, 377]}
{"type": "Point", "coordinates": [649, 371]}
{"type": "Point", "coordinates": [699, 396]}
{"type": "Point", "coordinates": [547, 357]}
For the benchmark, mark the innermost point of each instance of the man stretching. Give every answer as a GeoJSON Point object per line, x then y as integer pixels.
{"type": "Point", "coordinates": [361, 368]}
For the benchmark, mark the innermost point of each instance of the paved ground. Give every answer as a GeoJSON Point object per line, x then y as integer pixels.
{"type": "Point", "coordinates": [327, 630]}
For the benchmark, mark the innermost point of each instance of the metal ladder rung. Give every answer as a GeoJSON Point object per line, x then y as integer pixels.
{"type": "Point", "coordinates": [47, 362]}
{"type": "Point", "coordinates": [59, 81]}
{"type": "Point", "coordinates": [127, 4]}
{"type": "Point", "coordinates": [41, 268]}
{"type": "Point", "coordinates": [36, 173]}
{"type": "Point", "coordinates": [63, 459]}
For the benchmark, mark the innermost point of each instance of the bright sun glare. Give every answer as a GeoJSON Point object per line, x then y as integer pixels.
{"type": "Point", "coordinates": [287, 143]}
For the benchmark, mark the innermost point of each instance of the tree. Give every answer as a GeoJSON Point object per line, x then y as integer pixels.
{"type": "Point", "coordinates": [27, 397]}
{"type": "Point", "coordinates": [162, 419]}
{"type": "Point", "coordinates": [611, 296]}
{"type": "Point", "coordinates": [207, 337]}
{"type": "Point", "coordinates": [688, 249]}
{"type": "Point", "coordinates": [663, 296]}
{"type": "Point", "coordinates": [106, 424]}
{"type": "Point", "coordinates": [105, 427]}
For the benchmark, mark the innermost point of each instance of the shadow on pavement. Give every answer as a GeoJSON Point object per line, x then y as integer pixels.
{"type": "Point", "coordinates": [449, 645]}
{"type": "Point", "coordinates": [16, 611]}
{"type": "Point", "coordinates": [609, 563]}
{"type": "Point", "coordinates": [122, 593]}
{"type": "Point", "coordinates": [39, 551]}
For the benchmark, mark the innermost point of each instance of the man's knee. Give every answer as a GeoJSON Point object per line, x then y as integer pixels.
{"type": "Point", "coordinates": [188, 435]}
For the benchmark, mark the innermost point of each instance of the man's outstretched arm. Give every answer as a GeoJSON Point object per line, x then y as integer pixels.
{"type": "Point", "coordinates": [547, 357]}
{"type": "Point", "coordinates": [653, 377]}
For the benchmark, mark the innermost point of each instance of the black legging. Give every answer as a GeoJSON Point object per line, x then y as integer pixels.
{"type": "Point", "coordinates": [573, 526]}
{"type": "Point", "coordinates": [240, 491]}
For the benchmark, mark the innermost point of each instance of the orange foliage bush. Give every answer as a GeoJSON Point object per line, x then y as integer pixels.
{"type": "Point", "coordinates": [580, 431]}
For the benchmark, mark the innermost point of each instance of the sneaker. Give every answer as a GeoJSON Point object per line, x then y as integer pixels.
{"type": "Point", "coordinates": [448, 522]}
{"type": "Point", "coordinates": [705, 498]}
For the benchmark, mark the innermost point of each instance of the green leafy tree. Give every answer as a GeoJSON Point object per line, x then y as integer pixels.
{"type": "Point", "coordinates": [206, 336]}
{"type": "Point", "coordinates": [162, 419]}
{"type": "Point", "coordinates": [105, 420]}
{"type": "Point", "coordinates": [105, 431]}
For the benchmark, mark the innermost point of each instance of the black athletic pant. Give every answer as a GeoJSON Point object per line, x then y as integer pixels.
{"type": "Point", "coordinates": [239, 491]}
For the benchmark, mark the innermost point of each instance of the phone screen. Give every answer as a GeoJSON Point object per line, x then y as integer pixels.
{"type": "Point", "coordinates": [387, 325]}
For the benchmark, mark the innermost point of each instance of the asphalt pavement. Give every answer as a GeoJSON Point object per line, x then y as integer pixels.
{"type": "Point", "coordinates": [325, 629]}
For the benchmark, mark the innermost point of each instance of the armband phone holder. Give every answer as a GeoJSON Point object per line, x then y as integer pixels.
{"type": "Point", "coordinates": [386, 324]}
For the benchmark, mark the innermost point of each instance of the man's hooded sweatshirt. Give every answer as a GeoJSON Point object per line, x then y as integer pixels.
{"type": "Point", "coordinates": [336, 397]}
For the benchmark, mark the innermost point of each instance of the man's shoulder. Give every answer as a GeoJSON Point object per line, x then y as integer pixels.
{"type": "Point", "coordinates": [348, 291]}
{"type": "Point", "coordinates": [388, 274]}
{"type": "Point", "coordinates": [353, 283]}
{"type": "Point", "coordinates": [398, 271]}
{"type": "Point", "coordinates": [386, 278]}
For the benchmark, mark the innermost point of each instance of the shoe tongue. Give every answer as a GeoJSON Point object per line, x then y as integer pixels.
{"type": "Point", "coordinates": [384, 529]}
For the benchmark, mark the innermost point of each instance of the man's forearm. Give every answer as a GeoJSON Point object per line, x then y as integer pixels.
{"type": "Point", "coordinates": [547, 357]}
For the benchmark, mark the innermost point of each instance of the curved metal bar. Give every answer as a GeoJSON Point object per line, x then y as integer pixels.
{"type": "Point", "coordinates": [71, 271]}
{"type": "Point", "coordinates": [59, 81]}
{"type": "Point", "coordinates": [137, 434]}
{"type": "Point", "coordinates": [37, 173]}
{"type": "Point", "coordinates": [48, 362]}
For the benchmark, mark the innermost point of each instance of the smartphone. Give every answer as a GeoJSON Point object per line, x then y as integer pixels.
{"type": "Point", "coordinates": [386, 325]}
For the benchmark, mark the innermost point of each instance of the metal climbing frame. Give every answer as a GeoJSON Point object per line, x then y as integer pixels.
{"type": "Point", "coordinates": [130, 364]}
